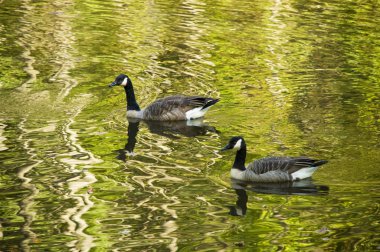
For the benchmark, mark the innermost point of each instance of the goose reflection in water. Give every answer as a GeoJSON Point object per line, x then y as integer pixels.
{"type": "Point", "coordinates": [302, 187]}
{"type": "Point", "coordinates": [169, 129]}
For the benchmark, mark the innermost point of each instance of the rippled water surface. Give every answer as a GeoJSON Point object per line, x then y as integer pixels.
{"type": "Point", "coordinates": [294, 77]}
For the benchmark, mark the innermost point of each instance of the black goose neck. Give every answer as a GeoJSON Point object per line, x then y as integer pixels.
{"type": "Point", "coordinates": [240, 158]}
{"type": "Point", "coordinates": [131, 99]}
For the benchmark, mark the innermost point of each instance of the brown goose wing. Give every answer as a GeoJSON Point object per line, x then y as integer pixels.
{"type": "Point", "coordinates": [285, 164]}
{"type": "Point", "coordinates": [174, 107]}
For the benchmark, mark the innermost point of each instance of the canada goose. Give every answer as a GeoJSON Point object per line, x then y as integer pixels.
{"type": "Point", "coordinates": [270, 169]}
{"type": "Point", "coordinates": [172, 108]}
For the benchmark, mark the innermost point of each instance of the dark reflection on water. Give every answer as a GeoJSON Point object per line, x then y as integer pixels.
{"type": "Point", "coordinates": [304, 187]}
{"type": "Point", "coordinates": [241, 204]}
{"type": "Point", "coordinates": [133, 129]}
{"type": "Point", "coordinates": [170, 129]}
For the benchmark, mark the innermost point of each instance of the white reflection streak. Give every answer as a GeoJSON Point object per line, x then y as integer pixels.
{"type": "Point", "coordinates": [198, 64]}
{"type": "Point", "coordinates": [276, 35]}
{"type": "Point", "coordinates": [73, 216]}
{"type": "Point", "coordinates": [158, 173]}
{"type": "Point", "coordinates": [65, 38]}
{"type": "Point", "coordinates": [28, 46]}
{"type": "Point", "coordinates": [3, 147]}
{"type": "Point", "coordinates": [169, 226]}
{"type": "Point", "coordinates": [27, 203]}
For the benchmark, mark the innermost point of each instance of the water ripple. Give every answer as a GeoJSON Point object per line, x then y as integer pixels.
{"type": "Point", "coordinates": [73, 216]}
{"type": "Point", "coordinates": [26, 203]}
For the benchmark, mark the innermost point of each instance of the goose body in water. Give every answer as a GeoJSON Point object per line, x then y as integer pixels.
{"type": "Point", "coordinates": [270, 169]}
{"type": "Point", "coordinates": [172, 108]}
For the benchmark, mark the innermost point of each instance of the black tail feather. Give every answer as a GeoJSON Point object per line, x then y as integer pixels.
{"type": "Point", "coordinates": [319, 162]}
{"type": "Point", "coordinates": [210, 103]}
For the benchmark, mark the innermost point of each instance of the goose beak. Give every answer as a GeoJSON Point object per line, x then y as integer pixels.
{"type": "Point", "coordinates": [225, 148]}
{"type": "Point", "coordinates": [112, 84]}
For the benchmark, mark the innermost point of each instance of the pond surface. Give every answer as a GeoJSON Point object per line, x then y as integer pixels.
{"type": "Point", "coordinates": [294, 77]}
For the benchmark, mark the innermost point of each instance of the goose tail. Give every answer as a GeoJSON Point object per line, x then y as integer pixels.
{"type": "Point", "coordinates": [210, 103]}
{"type": "Point", "coordinates": [319, 163]}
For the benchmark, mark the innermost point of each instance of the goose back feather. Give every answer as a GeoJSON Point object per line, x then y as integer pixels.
{"type": "Point", "coordinates": [284, 164]}
{"type": "Point", "coordinates": [176, 107]}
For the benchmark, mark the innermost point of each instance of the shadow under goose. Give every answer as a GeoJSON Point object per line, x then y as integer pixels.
{"type": "Point", "coordinates": [172, 129]}
{"type": "Point", "coordinates": [304, 187]}
{"type": "Point", "coordinates": [169, 129]}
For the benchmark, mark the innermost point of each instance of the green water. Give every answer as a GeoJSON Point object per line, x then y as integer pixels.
{"type": "Point", "coordinates": [294, 78]}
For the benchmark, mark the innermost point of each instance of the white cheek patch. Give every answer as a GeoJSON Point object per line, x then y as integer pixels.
{"type": "Point", "coordinates": [124, 83]}
{"type": "Point", "coordinates": [238, 144]}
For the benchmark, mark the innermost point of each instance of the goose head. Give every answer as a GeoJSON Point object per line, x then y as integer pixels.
{"type": "Point", "coordinates": [236, 142]}
{"type": "Point", "coordinates": [121, 80]}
